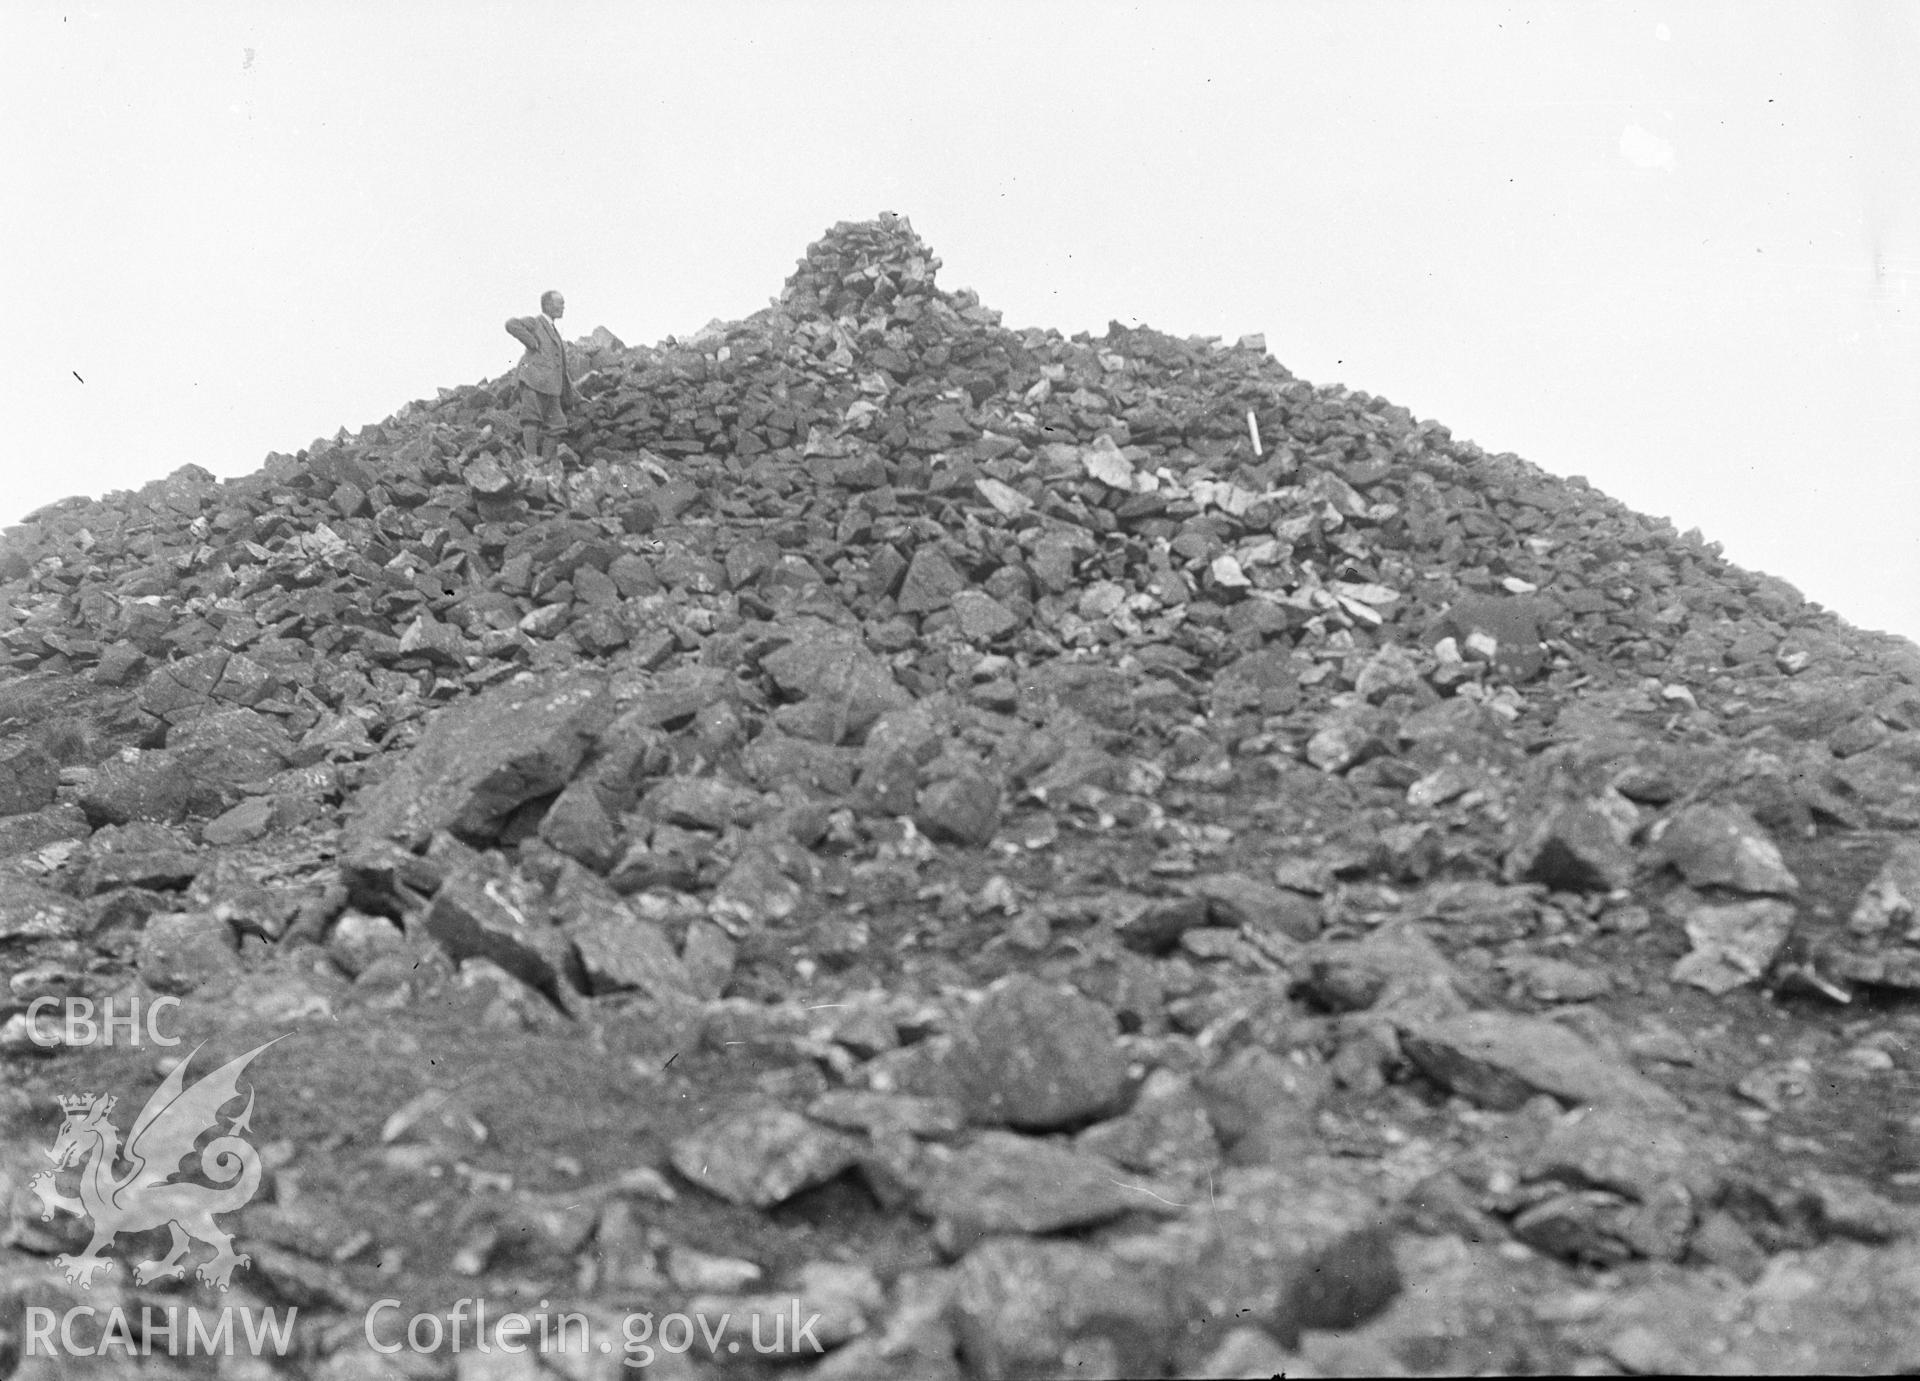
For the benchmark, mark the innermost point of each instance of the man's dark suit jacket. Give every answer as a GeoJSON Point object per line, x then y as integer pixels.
{"type": "Point", "coordinates": [544, 366]}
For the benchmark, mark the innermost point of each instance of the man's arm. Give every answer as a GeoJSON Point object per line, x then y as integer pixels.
{"type": "Point", "coordinates": [521, 329]}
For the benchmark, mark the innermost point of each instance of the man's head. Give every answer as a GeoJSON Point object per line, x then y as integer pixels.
{"type": "Point", "coordinates": [553, 305]}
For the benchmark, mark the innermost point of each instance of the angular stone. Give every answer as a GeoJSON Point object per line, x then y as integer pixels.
{"type": "Point", "coordinates": [982, 617]}
{"type": "Point", "coordinates": [1261, 1106]}
{"type": "Point", "coordinates": [29, 911]}
{"type": "Point", "coordinates": [233, 747]}
{"type": "Point", "coordinates": [762, 1156]}
{"type": "Point", "coordinates": [481, 759]}
{"type": "Point", "coordinates": [835, 1302]}
{"type": "Point", "coordinates": [578, 825]}
{"type": "Point", "coordinates": [337, 736]}
{"type": "Point", "coordinates": [774, 759]}
{"type": "Point", "coordinates": [1579, 846]}
{"type": "Point", "coordinates": [1546, 979]}
{"type": "Point", "coordinates": [1019, 1307]}
{"type": "Point", "coordinates": [1510, 624]}
{"type": "Point", "coordinates": [915, 1340]}
{"type": "Point", "coordinates": [1305, 1244]}
{"type": "Point", "coordinates": [1004, 1182]}
{"type": "Point", "coordinates": [691, 572]}
{"type": "Point", "coordinates": [632, 576]}
{"type": "Point", "coordinates": [1589, 1226]}
{"type": "Point", "coordinates": [962, 809]}
{"type": "Point", "coordinates": [832, 669]}
{"type": "Point", "coordinates": [1634, 1151]}
{"type": "Point", "coordinates": [475, 920]}
{"type": "Point", "coordinates": [885, 567]}
{"type": "Point", "coordinates": [1397, 970]}
{"type": "Point", "coordinates": [1055, 561]}
{"type": "Point", "coordinates": [243, 681]}
{"type": "Point", "coordinates": [709, 954]}
{"type": "Point", "coordinates": [882, 1114]}
{"type": "Point", "coordinates": [486, 476]}
{"type": "Point", "coordinates": [1157, 928]}
{"type": "Point", "coordinates": [600, 632]}
{"type": "Point", "coordinates": [244, 822]}
{"type": "Point", "coordinates": [185, 951]}
{"type": "Point", "coordinates": [120, 665]}
{"type": "Point", "coordinates": [157, 784]}
{"type": "Point", "coordinates": [28, 777]}
{"type": "Point", "coordinates": [1501, 1059]}
{"type": "Point", "coordinates": [595, 588]}
{"type": "Point", "coordinates": [757, 890]}
{"type": "Point", "coordinates": [546, 621]}
{"type": "Point", "coordinates": [1104, 462]}
{"type": "Point", "coordinates": [1036, 1057]}
{"type": "Point", "coordinates": [357, 940]}
{"type": "Point", "coordinates": [666, 699]}
{"type": "Point", "coordinates": [1346, 738]}
{"type": "Point", "coordinates": [1237, 900]}
{"type": "Point", "coordinates": [177, 689]}
{"type": "Point", "coordinates": [931, 582]}
{"type": "Point", "coordinates": [1166, 1130]}
{"type": "Point", "coordinates": [23, 833]}
{"type": "Point", "coordinates": [1893, 897]}
{"type": "Point", "coordinates": [619, 949]}
{"type": "Point", "coordinates": [1723, 846]}
{"type": "Point", "coordinates": [701, 803]}
{"type": "Point", "coordinates": [1251, 1353]}
{"type": "Point", "coordinates": [437, 642]}
{"type": "Point", "coordinates": [1884, 781]}
{"type": "Point", "coordinates": [1733, 944]}
{"type": "Point", "coordinates": [1844, 1308]}
{"type": "Point", "coordinates": [867, 470]}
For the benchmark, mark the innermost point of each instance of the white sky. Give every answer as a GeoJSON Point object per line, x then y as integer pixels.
{"type": "Point", "coordinates": [1672, 247]}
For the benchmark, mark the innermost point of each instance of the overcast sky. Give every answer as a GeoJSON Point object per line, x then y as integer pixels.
{"type": "Point", "coordinates": [1670, 247]}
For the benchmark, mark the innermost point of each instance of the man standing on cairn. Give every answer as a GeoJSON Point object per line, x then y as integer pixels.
{"type": "Point", "coordinates": [546, 391]}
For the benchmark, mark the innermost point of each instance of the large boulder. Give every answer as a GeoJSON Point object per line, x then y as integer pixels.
{"type": "Point", "coordinates": [480, 761]}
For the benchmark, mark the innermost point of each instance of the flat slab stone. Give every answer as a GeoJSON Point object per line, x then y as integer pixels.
{"type": "Point", "coordinates": [1500, 1060]}
{"type": "Point", "coordinates": [1238, 900]}
{"type": "Point", "coordinates": [1005, 1182]}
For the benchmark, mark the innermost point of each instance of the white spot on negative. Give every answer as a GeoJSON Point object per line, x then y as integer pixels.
{"type": "Point", "coordinates": [1645, 150]}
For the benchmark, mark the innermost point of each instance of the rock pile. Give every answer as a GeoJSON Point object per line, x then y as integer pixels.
{"type": "Point", "coordinates": [1172, 851]}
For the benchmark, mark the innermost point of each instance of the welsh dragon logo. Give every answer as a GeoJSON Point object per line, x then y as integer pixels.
{"type": "Point", "coordinates": [173, 1119]}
